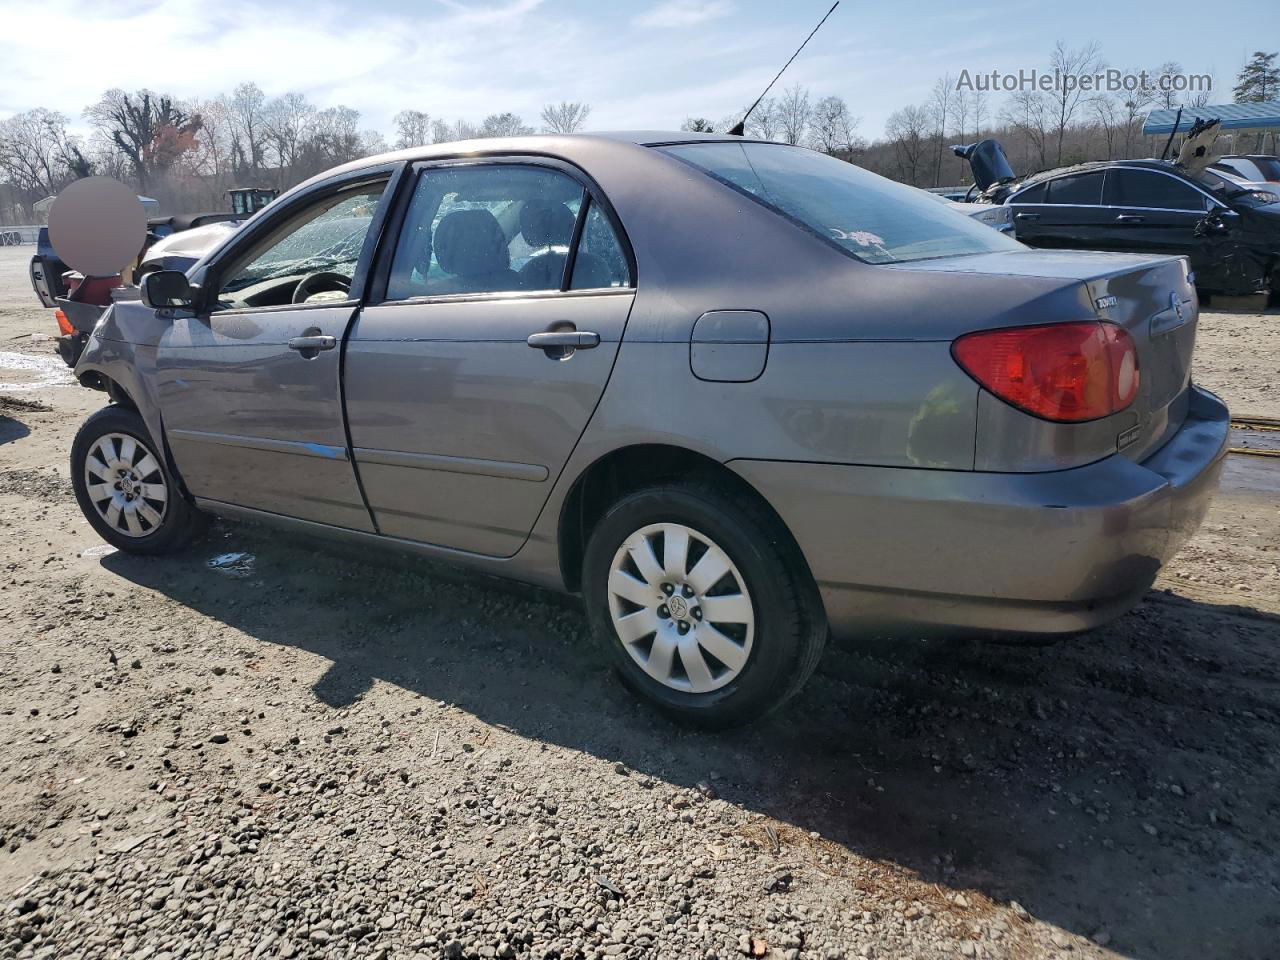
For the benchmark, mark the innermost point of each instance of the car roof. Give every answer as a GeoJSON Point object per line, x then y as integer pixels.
{"type": "Point", "coordinates": [1166, 166]}
{"type": "Point", "coordinates": [565, 144]}
{"type": "Point", "coordinates": [568, 146]}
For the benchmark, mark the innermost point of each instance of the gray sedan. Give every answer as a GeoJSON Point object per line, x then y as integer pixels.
{"type": "Point", "coordinates": [739, 395]}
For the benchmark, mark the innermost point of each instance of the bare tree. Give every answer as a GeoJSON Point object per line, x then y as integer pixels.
{"type": "Point", "coordinates": [150, 129]}
{"type": "Point", "coordinates": [697, 125]}
{"type": "Point", "coordinates": [1165, 97]}
{"type": "Point", "coordinates": [444, 132]}
{"type": "Point", "coordinates": [765, 121]}
{"type": "Point", "coordinates": [939, 107]}
{"type": "Point", "coordinates": [794, 112]}
{"type": "Point", "coordinates": [247, 105]}
{"type": "Point", "coordinates": [906, 130]}
{"type": "Point", "coordinates": [1134, 106]}
{"type": "Point", "coordinates": [1029, 112]}
{"type": "Point", "coordinates": [335, 139]}
{"type": "Point", "coordinates": [565, 116]}
{"type": "Point", "coordinates": [413, 128]}
{"type": "Point", "coordinates": [372, 142]}
{"type": "Point", "coordinates": [961, 108]}
{"type": "Point", "coordinates": [831, 128]}
{"type": "Point", "coordinates": [980, 111]}
{"type": "Point", "coordinates": [288, 120]}
{"type": "Point", "coordinates": [503, 125]}
{"type": "Point", "coordinates": [31, 156]}
{"type": "Point", "coordinates": [1070, 66]}
{"type": "Point", "coordinates": [1107, 112]}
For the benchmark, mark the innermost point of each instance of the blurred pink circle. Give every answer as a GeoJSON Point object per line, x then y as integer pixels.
{"type": "Point", "coordinates": [97, 225]}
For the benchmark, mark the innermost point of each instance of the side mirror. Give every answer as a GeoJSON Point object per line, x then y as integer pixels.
{"type": "Point", "coordinates": [165, 289]}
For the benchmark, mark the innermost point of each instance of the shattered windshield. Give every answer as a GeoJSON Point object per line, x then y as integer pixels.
{"type": "Point", "coordinates": [864, 215]}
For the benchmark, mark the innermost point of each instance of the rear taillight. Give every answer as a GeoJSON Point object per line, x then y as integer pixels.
{"type": "Point", "coordinates": [63, 323]}
{"type": "Point", "coordinates": [1068, 372]}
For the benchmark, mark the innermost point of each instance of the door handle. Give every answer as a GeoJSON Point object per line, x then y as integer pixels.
{"type": "Point", "coordinates": [1130, 218]}
{"type": "Point", "coordinates": [1026, 216]}
{"type": "Point", "coordinates": [574, 339]}
{"type": "Point", "coordinates": [313, 344]}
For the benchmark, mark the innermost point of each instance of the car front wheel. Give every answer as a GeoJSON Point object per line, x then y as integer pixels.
{"type": "Point", "coordinates": [124, 487]}
{"type": "Point", "coordinates": [703, 603]}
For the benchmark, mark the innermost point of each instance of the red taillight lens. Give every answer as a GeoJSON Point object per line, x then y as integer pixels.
{"type": "Point", "coordinates": [1068, 372]}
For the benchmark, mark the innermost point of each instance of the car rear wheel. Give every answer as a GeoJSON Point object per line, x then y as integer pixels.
{"type": "Point", "coordinates": [124, 487]}
{"type": "Point", "coordinates": [703, 603]}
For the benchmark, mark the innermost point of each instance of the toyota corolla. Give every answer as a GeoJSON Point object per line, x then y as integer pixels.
{"type": "Point", "coordinates": [739, 395]}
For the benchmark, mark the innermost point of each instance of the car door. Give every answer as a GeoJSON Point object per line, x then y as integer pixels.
{"type": "Point", "coordinates": [1062, 213]}
{"type": "Point", "coordinates": [1028, 206]}
{"type": "Point", "coordinates": [490, 334]}
{"type": "Point", "coordinates": [249, 387]}
{"type": "Point", "coordinates": [1151, 211]}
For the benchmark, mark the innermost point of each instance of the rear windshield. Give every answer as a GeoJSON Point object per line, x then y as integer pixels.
{"type": "Point", "coordinates": [864, 215]}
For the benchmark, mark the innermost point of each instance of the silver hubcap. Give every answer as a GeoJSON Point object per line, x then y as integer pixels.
{"type": "Point", "coordinates": [126, 485]}
{"type": "Point", "coordinates": [681, 608]}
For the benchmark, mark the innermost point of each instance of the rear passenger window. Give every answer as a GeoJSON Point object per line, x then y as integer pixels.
{"type": "Point", "coordinates": [1082, 189]}
{"type": "Point", "coordinates": [485, 229]}
{"type": "Point", "coordinates": [1149, 188]}
{"type": "Point", "coordinates": [600, 261]}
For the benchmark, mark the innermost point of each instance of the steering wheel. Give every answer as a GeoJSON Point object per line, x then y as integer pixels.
{"type": "Point", "coordinates": [322, 282]}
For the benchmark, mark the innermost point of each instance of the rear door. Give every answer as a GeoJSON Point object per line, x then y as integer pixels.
{"type": "Point", "coordinates": [1062, 213]}
{"type": "Point", "coordinates": [489, 336]}
{"type": "Point", "coordinates": [249, 389]}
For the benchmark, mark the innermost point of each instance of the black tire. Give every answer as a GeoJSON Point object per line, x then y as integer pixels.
{"type": "Point", "coordinates": [790, 623]}
{"type": "Point", "coordinates": [180, 522]}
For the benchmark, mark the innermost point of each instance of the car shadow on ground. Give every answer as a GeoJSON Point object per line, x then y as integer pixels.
{"type": "Point", "coordinates": [1118, 781]}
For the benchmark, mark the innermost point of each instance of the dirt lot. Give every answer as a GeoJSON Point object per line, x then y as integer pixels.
{"type": "Point", "coordinates": [295, 751]}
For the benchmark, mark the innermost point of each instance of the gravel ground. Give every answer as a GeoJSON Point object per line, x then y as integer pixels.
{"type": "Point", "coordinates": [267, 748]}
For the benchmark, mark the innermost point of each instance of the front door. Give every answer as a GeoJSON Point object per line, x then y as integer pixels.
{"type": "Point", "coordinates": [475, 369]}
{"type": "Point", "coordinates": [1153, 212]}
{"type": "Point", "coordinates": [249, 389]}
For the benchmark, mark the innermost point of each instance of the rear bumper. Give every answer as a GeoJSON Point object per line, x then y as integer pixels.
{"type": "Point", "coordinates": [1038, 553]}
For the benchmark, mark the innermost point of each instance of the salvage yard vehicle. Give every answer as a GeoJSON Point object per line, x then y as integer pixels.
{"type": "Point", "coordinates": [79, 300]}
{"type": "Point", "coordinates": [739, 395]}
{"type": "Point", "coordinates": [1229, 230]}
{"type": "Point", "coordinates": [1255, 167]}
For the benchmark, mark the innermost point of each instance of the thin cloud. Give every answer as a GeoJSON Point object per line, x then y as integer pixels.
{"type": "Point", "coordinates": [683, 13]}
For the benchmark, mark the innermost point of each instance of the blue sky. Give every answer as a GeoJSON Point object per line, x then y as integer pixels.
{"type": "Point", "coordinates": [639, 64]}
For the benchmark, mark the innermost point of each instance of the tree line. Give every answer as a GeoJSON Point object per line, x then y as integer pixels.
{"type": "Point", "coordinates": [187, 154]}
{"type": "Point", "coordinates": [1042, 129]}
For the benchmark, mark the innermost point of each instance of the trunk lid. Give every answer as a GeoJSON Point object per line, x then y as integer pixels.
{"type": "Point", "coordinates": [1151, 297]}
{"type": "Point", "coordinates": [1157, 305]}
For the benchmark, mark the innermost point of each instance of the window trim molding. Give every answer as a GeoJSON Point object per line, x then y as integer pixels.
{"type": "Point", "coordinates": [1013, 199]}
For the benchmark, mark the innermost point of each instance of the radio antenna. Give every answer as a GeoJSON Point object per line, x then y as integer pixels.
{"type": "Point", "coordinates": [740, 127]}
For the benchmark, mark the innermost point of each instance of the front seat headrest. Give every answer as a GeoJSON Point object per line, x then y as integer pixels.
{"type": "Point", "coordinates": [470, 242]}
{"type": "Point", "coordinates": [546, 224]}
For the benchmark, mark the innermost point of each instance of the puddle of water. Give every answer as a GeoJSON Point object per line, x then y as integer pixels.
{"type": "Point", "coordinates": [233, 564]}
{"type": "Point", "coordinates": [35, 370]}
{"type": "Point", "coordinates": [101, 550]}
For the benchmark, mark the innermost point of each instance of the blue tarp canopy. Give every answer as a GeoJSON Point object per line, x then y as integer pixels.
{"type": "Point", "coordinates": [1234, 116]}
